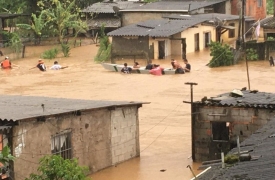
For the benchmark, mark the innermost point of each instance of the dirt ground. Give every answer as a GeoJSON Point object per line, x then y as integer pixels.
{"type": "Point", "coordinates": [165, 132]}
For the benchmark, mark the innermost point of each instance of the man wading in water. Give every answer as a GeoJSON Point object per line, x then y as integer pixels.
{"type": "Point", "coordinates": [41, 66]}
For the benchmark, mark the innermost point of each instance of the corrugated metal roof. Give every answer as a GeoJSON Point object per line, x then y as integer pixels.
{"type": "Point", "coordinates": [13, 108]}
{"type": "Point", "coordinates": [176, 6]}
{"type": "Point", "coordinates": [107, 22]}
{"type": "Point", "coordinates": [209, 16]}
{"type": "Point", "coordinates": [107, 7]}
{"type": "Point", "coordinates": [249, 99]}
{"type": "Point", "coordinates": [261, 145]}
{"type": "Point", "coordinates": [155, 28]}
{"type": "Point", "coordinates": [268, 23]}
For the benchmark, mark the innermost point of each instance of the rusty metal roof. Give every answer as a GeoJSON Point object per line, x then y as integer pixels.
{"type": "Point", "coordinates": [261, 148]}
{"type": "Point", "coordinates": [172, 6]}
{"type": "Point", "coordinates": [155, 28]}
{"type": "Point", "coordinates": [14, 108]}
{"type": "Point", "coordinates": [107, 7]}
{"type": "Point", "coordinates": [252, 99]}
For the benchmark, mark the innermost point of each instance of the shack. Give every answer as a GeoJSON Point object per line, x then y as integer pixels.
{"type": "Point", "coordinates": [217, 122]}
{"type": "Point", "coordinates": [97, 133]}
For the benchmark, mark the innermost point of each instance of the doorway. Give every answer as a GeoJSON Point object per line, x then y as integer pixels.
{"type": "Point", "coordinates": [183, 50]}
{"type": "Point", "coordinates": [161, 45]}
{"type": "Point", "coordinates": [207, 39]}
{"type": "Point", "coordinates": [197, 42]}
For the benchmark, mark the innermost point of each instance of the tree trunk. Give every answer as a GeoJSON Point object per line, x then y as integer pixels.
{"type": "Point", "coordinates": [273, 9]}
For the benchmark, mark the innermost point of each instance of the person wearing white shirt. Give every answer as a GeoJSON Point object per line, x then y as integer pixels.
{"type": "Point", "coordinates": [56, 66]}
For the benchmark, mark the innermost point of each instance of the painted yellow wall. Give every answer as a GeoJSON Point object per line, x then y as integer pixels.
{"type": "Point", "coordinates": [189, 34]}
{"type": "Point", "coordinates": [225, 37]}
{"type": "Point", "coordinates": [156, 48]}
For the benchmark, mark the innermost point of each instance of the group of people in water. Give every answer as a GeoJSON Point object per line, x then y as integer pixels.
{"type": "Point", "coordinates": [6, 64]}
{"type": "Point", "coordinates": [155, 69]}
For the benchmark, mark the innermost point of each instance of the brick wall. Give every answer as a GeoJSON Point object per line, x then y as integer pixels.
{"type": "Point", "coordinates": [242, 122]}
{"type": "Point", "coordinates": [252, 8]}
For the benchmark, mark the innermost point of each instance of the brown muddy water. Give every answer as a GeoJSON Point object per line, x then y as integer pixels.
{"type": "Point", "coordinates": [165, 132]}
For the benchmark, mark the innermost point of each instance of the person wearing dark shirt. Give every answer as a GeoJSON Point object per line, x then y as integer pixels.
{"type": "Point", "coordinates": [271, 61]}
{"type": "Point", "coordinates": [149, 66]}
{"type": "Point", "coordinates": [41, 66]}
{"type": "Point", "coordinates": [187, 66]}
{"type": "Point", "coordinates": [125, 69]}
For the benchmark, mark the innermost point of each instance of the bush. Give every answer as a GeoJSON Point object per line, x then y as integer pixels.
{"type": "Point", "coordinates": [251, 54]}
{"type": "Point", "coordinates": [231, 159]}
{"type": "Point", "coordinates": [221, 55]}
{"type": "Point", "coordinates": [65, 49]}
{"type": "Point", "coordinates": [50, 54]}
{"type": "Point", "coordinates": [104, 51]}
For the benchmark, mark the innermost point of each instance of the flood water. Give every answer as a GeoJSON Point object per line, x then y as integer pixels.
{"type": "Point", "coordinates": [165, 132]}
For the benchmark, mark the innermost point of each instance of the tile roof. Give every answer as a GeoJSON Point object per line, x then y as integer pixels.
{"type": "Point", "coordinates": [107, 22]}
{"type": "Point", "coordinates": [175, 6]}
{"type": "Point", "coordinates": [155, 28]}
{"type": "Point", "coordinates": [268, 23]}
{"type": "Point", "coordinates": [107, 7]}
{"type": "Point", "coordinates": [249, 99]}
{"type": "Point", "coordinates": [13, 108]}
{"type": "Point", "coordinates": [261, 145]}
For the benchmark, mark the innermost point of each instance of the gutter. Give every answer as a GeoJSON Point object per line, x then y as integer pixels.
{"type": "Point", "coordinates": [195, 178]}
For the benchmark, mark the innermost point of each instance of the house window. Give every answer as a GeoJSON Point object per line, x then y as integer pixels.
{"type": "Point", "coordinates": [61, 144]}
{"type": "Point", "coordinates": [231, 32]}
{"type": "Point", "coordinates": [260, 3]}
{"type": "Point", "coordinates": [220, 131]}
{"type": "Point", "coordinates": [207, 39]}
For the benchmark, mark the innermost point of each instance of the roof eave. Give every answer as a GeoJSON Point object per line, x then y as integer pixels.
{"type": "Point", "coordinates": [151, 10]}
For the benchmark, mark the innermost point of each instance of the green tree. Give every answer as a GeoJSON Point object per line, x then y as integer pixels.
{"type": "Point", "coordinates": [221, 55]}
{"type": "Point", "coordinates": [37, 26]}
{"type": "Point", "coordinates": [5, 158]}
{"type": "Point", "coordinates": [56, 168]}
{"type": "Point", "coordinates": [269, 6]}
{"type": "Point", "coordinates": [64, 16]}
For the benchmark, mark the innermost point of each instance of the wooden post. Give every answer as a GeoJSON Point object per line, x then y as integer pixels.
{"type": "Point", "coordinates": [23, 51]}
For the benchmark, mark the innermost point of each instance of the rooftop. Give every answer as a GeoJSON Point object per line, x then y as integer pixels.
{"type": "Point", "coordinates": [208, 16]}
{"type": "Point", "coordinates": [107, 7]}
{"type": "Point", "coordinates": [268, 23]}
{"type": "Point", "coordinates": [14, 108]}
{"type": "Point", "coordinates": [155, 28]}
{"type": "Point", "coordinates": [172, 6]}
{"type": "Point", "coordinates": [249, 99]}
{"type": "Point", "coordinates": [261, 148]}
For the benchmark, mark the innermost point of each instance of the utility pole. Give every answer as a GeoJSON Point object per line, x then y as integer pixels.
{"type": "Point", "coordinates": [243, 38]}
{"type": "Point", "coordinates": [192, 118]}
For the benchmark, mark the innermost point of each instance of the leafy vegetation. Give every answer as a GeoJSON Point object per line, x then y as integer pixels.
{"type": "Point", "coordinates": [104, 51]}
{"type": "Point", "coordinates": [50, 54]}
{"type": "Point", "coordinates": [38, 25]}
{"type": "Point", "coordinates": [269, 6]}
{"type": "Point", "coordinates": [5, 158]}
{"type": "Point", "coordinates": [251, 54]}
{"type": "Point", "coordinates": [231, 159]}
{"type": "Point", "coordinates": [270, 38]}
{"type": "Point", "coordinates": [65, 49]}
{"type": "Point", "coordinates": [221, 55]}
{"type": "Point", "coordinates": [56, 168]}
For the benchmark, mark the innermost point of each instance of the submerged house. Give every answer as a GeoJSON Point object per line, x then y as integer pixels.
{"type": "Point", "coordinates": [97, 133]}
{"type": "Point", "coordinates": [218, 121]}
{"type": "Point", "coordinates": [107, 14]}
{"type": "Point", "coordinates": [174, 36]}
{"type": "Point", "coordinates": [158, 9]}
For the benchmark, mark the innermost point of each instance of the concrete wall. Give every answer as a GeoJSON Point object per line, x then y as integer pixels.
{"type": "Point", "coordinates": [136, 17]}
{"type": "Point", "coordinates": [190, 39]}
{"type": "Point", "coordinates": [225, 36]}
{"type": "Point", "coordinates": [126, 47]}
{"type": "Point", "coordinates": [94, 142]}
{"type": "Point", "coordinates": [125, 134]}
{"type": "Point", "coordinates": [241, 121]}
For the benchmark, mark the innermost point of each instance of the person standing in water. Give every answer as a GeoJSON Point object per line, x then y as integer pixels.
{"type": "Point", "coordinates": [57, 66]}
{"type": "Point", "coordinates": [271, 61]}
{"type": "Point", "coordinates": [41, 66]}
{"type": "Point", "coordinates": [6, 64]}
